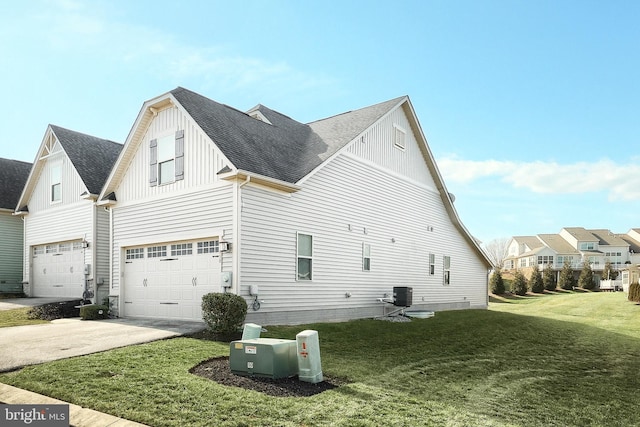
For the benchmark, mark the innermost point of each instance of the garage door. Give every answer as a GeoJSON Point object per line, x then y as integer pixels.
{"type": "Point", "coordinates": [58, 270]}
{"type": "Point", "coordinates": [168, 280]}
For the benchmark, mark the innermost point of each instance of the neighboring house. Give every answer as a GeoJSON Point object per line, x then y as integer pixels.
{"type": "Point", "coordinates": [13, 175]}
{"type": "Point", "coordinates": [308, 222]}
{"type": "Point", "coordinates": [66, 247]}
{"type": "Point", "coordinates": [575, 245]}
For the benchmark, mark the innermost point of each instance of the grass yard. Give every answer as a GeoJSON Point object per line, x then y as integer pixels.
{"type": "Point", "coordinates": [553, 360]}
{"type": "Point", "coordinates": [17, 317]}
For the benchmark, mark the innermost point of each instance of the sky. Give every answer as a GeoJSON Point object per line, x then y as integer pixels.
{"type": "Point", "coordinates": [530, 108]}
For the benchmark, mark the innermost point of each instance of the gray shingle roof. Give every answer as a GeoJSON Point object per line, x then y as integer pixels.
{"type": "Point", "coordinates": [557, 243]}
{"type": "Point", "coordinates": [608, 238]}
{"type": "Point", "coordinates": [92, 157]}
{"type": "Point", "coordinates": [13, 176]}
{"type": "Point", "coordinates": [285, 149]}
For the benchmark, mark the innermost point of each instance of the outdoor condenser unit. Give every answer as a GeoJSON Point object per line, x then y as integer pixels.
{"type": "Point", "coordinates": [402, 296]}
{"type": "Point", "coordinates": [264, 357]}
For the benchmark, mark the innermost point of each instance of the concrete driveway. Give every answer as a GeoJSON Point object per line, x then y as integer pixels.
{"type": "Point", "coordinates": [63, 338]}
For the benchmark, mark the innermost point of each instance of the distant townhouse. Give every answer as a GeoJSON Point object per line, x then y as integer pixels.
{"type": "Point", "coordinates": [575, 245]}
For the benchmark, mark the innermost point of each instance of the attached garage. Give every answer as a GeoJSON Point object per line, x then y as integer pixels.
{"type": "Point", "coordinates": [58, 270]}
{"type": "Point", "coordinates": [168, 280]}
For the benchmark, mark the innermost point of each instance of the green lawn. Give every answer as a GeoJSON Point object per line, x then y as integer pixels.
{"type": "Point", "coordinates": [17, 317]}
{"type": "Point", "coordinates": [553, 360]}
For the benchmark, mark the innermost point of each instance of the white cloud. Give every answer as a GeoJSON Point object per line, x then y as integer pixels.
{"type": "Point", "coordinates": [619, 181]}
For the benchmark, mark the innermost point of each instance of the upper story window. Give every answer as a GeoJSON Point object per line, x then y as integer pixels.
{"type": "Point", "coordinates": [166, 158]}
{"type": "Point", "coordinates": [545, 259]}
{"type": "Point", "coordinates": [432, 264]}
{"type": "Point", "coordinates": [56, 182]}
{"type": "Point", "coordinates": [399, 137]}
{"type": "Point", "coordinates": [587, 246]}
{"type": "Point", "coordinates": [446, 264]}
{"type": "Point", "coordinates": [304, 270]}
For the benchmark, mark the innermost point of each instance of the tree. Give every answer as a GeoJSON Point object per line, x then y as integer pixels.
{"type": "Point", "coordinates": [567, 281]}
{"type": "Point", "coordinates": [608, 273]}
{"type": "Point", "coordinates": [549, 278]}
{"type": "Point", "coordinates": [519, 283]}
{"type": "Point", "coordinates": [634, 292]}
{"type": "Point", "coordinates": [496, 283]}
{"type": "Point", "coordinates": [585, 280]}
{"type": "Point", "coordinates": [496, 250]}
{"type": "Point", "coordinates": [535, 281]}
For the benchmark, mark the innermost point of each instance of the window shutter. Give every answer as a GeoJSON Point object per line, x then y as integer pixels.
{"type": "Point", "coordinates": [153, 162]}
{"type": "Point", "coordinates": [179, 155]}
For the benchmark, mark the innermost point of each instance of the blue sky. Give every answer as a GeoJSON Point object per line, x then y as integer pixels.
{"type": "Point", "coordinates": [531, 108]}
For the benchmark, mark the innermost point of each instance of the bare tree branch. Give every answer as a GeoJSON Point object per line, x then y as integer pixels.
{"type": "Point", "coordinates": [496, 250]}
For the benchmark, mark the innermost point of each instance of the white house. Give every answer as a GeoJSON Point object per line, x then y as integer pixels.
{"type": "Point", "coordinates": [66, 237]}
{"type": "Point", "coordinates": [308, 222]}
{"type": "Point", "coordinates": [13, 175]}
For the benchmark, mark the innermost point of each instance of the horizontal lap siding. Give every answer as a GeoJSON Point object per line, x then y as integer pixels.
{"type": "Point", "coordinates": [63, 223]}
{"type": "Point", "coordinates": [11, 230]}
{"type": "Point", "coordinates": [200, 213]}
{"type": "Point", "coordinates": [349, 192]}
{"type": "Point", "coordinates": [102, 246]}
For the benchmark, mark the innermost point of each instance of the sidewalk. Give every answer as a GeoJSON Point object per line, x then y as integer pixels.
{"type": "Point", "coordinates": [79, 416]}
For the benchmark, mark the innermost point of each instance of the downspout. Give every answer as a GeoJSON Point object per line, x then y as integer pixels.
{"type": "Point", "coordinates": [236, 234]}
{"type": "Point", "coordinates": [110, 276]}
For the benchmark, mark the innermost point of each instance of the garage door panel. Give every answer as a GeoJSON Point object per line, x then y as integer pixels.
{"type": "Point", "coordinates": [176, 281]}
{"type": "Point", "coordinates": [58, 270]}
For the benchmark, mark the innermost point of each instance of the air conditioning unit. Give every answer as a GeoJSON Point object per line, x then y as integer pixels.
{"type": "Point", "coordinates": [264, 357]}
{"type": "Point", "coordinates": [402, 296]}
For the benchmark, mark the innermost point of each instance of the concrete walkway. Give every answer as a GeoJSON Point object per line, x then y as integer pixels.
{"type": "Point", "coordinates": [79, 416]}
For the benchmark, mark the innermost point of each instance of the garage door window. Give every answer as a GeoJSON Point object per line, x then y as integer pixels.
{"type": "Point", "coordinates": [182, 249]}
{"type": "Point", "coordinates": [64, 247]}
{"type": "Point", "coordinates": [135, 253]}
{"type": "Point", "coordinates": [52, 249]}
{"type": "Point", "coordinates": [156, 251]}
{"type": "Point", "coordinates": [38, 250]}
{"type": "Point", "coordinates": [77, 246]}
{"type": "Point", "coordinates": [210, 247]}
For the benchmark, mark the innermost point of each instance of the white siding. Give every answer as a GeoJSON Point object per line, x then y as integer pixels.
{"type": "Point", "coordinates": [11, 230]}
{"type": "Point", "coordinates": [102, 246]}
{"type": "Point", "coordinates": [201, 214]}
{"type": "Point", "coordinates": [349, 193]}
{"type": "Point", "coordinates": [377, 146]}
{"type": "Point", "coordinates": [201, 159]}
{"type": "Point", "coordinates": [59, 224]}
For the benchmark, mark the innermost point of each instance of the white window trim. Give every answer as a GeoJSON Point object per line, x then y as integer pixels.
{"type": "Point", "coordinates": [298, 256]}
{"type": "Point", "coordinates": [432, 264]}
{"type": "Point", "coordinates": [166, 135]}
{"type": "Point", "coordinates": [403, 145]}
{"type": "Point", "coordinates": [57, 164]}
{"type": "Point", "coordinates": [446, 271]}
{"type": "Point", "coordinates": [365, 257]}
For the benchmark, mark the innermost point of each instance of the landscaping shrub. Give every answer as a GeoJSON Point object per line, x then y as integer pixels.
{"type": "Point", "coordinates": [496, 283]}
{"type": "Point", "coordinates": [94, 312]}
{"type": "Point", "coordinates": [567, 281]}
{"type": "Point", "coordinates": [549, 278]}
{"type": "Point", "coordinates": [585, 280]}
{"type": "Point", "coordinates": [519, 283]}
{"type": "Point", "coordinates": [224, 314]}
{"type": "Point", "coordinates": [634, 292]}
{"type": "Point", "coordinates": [55, 310]}
{"type": "Point", "coordinates": [535, 281]}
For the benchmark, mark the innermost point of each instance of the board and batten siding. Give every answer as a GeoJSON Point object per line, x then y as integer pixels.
{"type": "Point", "coordinates": [12, 232]}
{"type": "Point", "coordinates": [347, 203]}
{"type": "Point", "coordinates": [377, 146]}
{"type": "Point", "coordinates": [63, 223]}
{"type": "Point", "coordinates": [202, 160]}
{"type": "Point", "coordinates": [185, 216]}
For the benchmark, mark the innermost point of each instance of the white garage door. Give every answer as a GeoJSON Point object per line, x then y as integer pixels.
{"type": "Point", "coordinates": [58, 270]}
{"type": "Point", "coordinates": [168, 280]}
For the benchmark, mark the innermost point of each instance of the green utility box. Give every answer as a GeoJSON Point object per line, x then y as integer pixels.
{"type": "Point", "coordinates": [264, 357]}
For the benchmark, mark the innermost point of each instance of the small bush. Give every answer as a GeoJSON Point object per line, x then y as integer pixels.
{"type": "Point", "coordinates": [519, 284]}
{"type": "Point", "coordinates": [224, 314]}
{"type": "Point", "coordinates": [567, 281]}
{"type": "Point", "coordinates": [549, 278]}
{"type": "Point", "coordinates": [496, 283]}
{"type": "Point", "coordinates": [55, 310]}
{"type": "Point", "coordinates": [94, 312]}
{"type": "Point", "coordinates": [585, 280]}
{"type": "Point", "coordinates": [634, 292]}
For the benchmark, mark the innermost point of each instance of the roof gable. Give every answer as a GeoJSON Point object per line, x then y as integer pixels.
{"type": "Point", "coordinates": [13, 176]}
{"type": "Point", "coordinates": [92, 157]}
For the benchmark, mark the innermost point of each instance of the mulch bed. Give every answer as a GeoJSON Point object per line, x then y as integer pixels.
{"type": "Point", "coordinates": [218, 370]}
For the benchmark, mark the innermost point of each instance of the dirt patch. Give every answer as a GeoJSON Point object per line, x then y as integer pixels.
{"type": "Point", "coordinates": [218, 370]}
